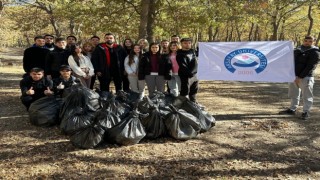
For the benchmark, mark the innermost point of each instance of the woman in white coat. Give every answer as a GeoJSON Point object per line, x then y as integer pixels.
{"type": "Point", "coordinates": [131, 64]}
{"type": "Point", "coordinates": [81, 65]}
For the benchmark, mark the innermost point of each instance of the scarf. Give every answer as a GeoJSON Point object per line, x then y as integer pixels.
{"type": "Point", "coordinates": [105, 47]}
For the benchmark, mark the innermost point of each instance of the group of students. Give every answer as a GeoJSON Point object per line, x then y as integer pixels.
{"type": "Point", "coordinates": [53, 66]}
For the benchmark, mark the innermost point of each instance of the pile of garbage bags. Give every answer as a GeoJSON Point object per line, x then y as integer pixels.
{"type": "Point", "coordinates": [91, 118]}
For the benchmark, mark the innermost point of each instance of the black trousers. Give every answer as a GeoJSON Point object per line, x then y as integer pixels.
{"type": "Point", "coordinates": [125, 83]}
{"type": "Point", "coordinates": [105, 82]}
{"type": "Point", "coordinates": [189, 87]}
{"type": "Point", "coordinates": [93, 79]}
{"type": "Point", "coordinates": [26, 101]}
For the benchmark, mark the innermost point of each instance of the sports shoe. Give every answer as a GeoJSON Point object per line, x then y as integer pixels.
{"type": "Point", "coordinates": [288, 111]}
{"type": "Point", "coordinates": [305, 116]}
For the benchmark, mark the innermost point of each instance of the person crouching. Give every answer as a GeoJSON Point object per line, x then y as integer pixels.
{"type": "Point", "coordinates": [35, 86]}
{"type": "Point", "coordinates": [65, 80]}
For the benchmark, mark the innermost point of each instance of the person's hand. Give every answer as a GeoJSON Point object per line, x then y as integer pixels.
{"type": "Point", "coordinates": [48, 92]}
{"type": "Point", "coordinates": [60, 86]}
{"type": "Point", "coordinates": [49, 77]}
{"type": "Point", "coordinates": [297, 81]}
{"type": "Point", "coordinates": [99, 74]}
{"type": "Point", "coordinates": [30, 91]}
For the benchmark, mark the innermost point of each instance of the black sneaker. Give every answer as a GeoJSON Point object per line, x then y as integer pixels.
{"type": "Point", "coordinates": [305, 116]}
{"type": "Point", "coordinates": [288, 111]}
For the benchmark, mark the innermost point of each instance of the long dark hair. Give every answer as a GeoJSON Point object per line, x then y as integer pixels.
{"type": "Point", "coordinates": [124, 44]}
{"type": "Point", "coordinates": [74, 53]}
{"type": "Point", "coordinates": [154, 43]}
{"type": "Point", "coordinates": [132, 54]}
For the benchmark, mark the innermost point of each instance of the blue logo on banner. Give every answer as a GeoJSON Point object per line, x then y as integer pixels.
{"type": "Point", "coordinates": [245, 58]}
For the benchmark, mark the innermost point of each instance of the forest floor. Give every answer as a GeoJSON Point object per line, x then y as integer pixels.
{"type": "Point", "coordinates": [250, 139]}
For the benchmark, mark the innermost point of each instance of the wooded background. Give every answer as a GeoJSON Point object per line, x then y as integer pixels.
{"type": "Point", "coordinates": [203, 20]}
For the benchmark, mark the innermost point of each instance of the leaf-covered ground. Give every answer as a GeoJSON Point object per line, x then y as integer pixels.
{"type": "Point", "coordinates": [250, 140]}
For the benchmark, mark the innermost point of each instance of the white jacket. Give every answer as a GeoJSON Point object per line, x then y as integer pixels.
{"type": "Point", "coordinates": [133, 68]}
{"type": "Point", "coordinates": [84, 63]}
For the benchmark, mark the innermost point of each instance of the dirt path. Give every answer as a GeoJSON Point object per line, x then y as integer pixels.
{"type": "Point", "coordinates": [250, 141]}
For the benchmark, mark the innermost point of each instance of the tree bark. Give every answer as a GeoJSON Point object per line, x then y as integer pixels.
{"type": "Point", "coordinates": [151, 19]}
{"type": "Point", "coordinates": [210, 33]}
{"type": "Point", "coordinates": [310, 19]}
{"type": "Point", "coordinates": [318, 39]}
{"type": "Point", "coordinates": [144, 18]}
{"type": "Point", "coordinates": [251, 32]}
{"type": "Point", "coordinates": [215, 34]}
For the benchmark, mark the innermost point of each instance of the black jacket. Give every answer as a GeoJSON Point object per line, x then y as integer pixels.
{"type": "Point", "coordinates": [188, 63]}
{"type": "Point", "coordinates": [99, 60]}
{"type": "Point", "coordinates": [54, 60]}
{"type": "Point", "coordinates": [306, 60]}
{"type": "Point", "coordinates": [38, 86]}
{"type": "Point", "coordinates": [34, 57]}
{"type": "Point", "coordinates": [71, 81]}
{"type": "Point", "coordinates": [145, 66]}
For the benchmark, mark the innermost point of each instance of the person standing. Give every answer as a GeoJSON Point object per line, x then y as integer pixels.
{"type": "Point", "coordinates": [188, 65]}
{"type": "Point", "coordinates": [174, 85]}
{"type": "Point", "coordinates": [34, 87]}
{"type": "Point", "coordinates": [144, 44]}
{"type": "Point", "coordinates": [175, 38]}
{"type": "Point", "coordinates": [306, 58]}
{"type": "Point", "coordinates": [49, 39]}
{"type": "Point", "coordinates": [71, 40]}
{"type": "Point", "coordinates": [128, 46]}
{"type": "Point", "coordinates": [95, 40]}
{"type": "Point", "coordinates": [80, 65]}
{"type": "Point", "coordinates": [35, 56]}
{"type": "Point", "coordinates": [131, 65]}
{"type": "Point", "coordinates": [56, 58]}
{"type": "Point", "coordinates": [154, 69]}
{"type": "Point", "coordinates": [165, 47]}
{"type": "Point", "coordinates": [108, 61]}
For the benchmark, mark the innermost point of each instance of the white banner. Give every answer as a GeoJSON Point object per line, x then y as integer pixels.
{"type": "Point", "coordinates": [268, 61]}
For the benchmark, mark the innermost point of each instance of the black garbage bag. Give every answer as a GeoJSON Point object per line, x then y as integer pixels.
{"type": "Point", "coordinates": [122, 96]}
{"type": "Point", "coordinates": [145, 105]}
{"type": "Point", "coordinates": [153, 123]}
{"type": "Point", "coordinates": [182, 125]}
{"type": "Point", "coordinates": [45, 111]}
{"type": "Point", "coordinates": [106, 119]}
{"type": "Point", "coordinates": [206, 120]}
{"type": "Point", "coordinates": [69, 90]}
{"type": "Point", "coordinates": [128, 132]}
{"type": "Point", "coordinates": [179, 101]}
{"type": "Point", "coordinates": [119, 109]}
{"type": "Point", "coordinates": [133, 98]}
{"type": "Point", "coordinates": [88, 138]}
{"type": "Point", "coordinates": [76, 120]}
{"type": "Point", "coordinates": [81, 97]}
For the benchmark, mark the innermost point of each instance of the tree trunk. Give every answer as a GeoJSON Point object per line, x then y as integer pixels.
{"type": "Point", "coordinates": [318, 39]}
{"type": "Point", "coordinates": [151, 19]}
{"type": "Point", "coordinates": [275, 27]}
{"type": "Point", "coordinates": [144, 18]}
{"type": "Point", "coordinates": [251, 32]}
{"type": "Point", "coordinates": [72, 26]}
{"type": "Point", "coordinates": [310, 19]}
{"type": "Point", "coordinates": [215, 33]}
{"type": "Point", "coordinates": [1, 7]}
{"type": "Point", "coordinates": [210, 33]}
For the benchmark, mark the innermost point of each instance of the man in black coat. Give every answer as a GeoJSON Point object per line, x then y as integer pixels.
{"type": "Point", "coordinates": [188, 66]}
{"type": "Point", "coordinates": [306, 58]}
{"type": "Point", "coordinates": [65, 81]}
{"type": "Point", "coordinates": [34, 87]}
{"type": "Point", "coordinates": [35, 56]}
{"type": "Point", "coordinates": [49, 39]}
{"type": "Point", "coordinates": [108, 62]}
{"type": "Point", "coordinates": [56, 58]}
